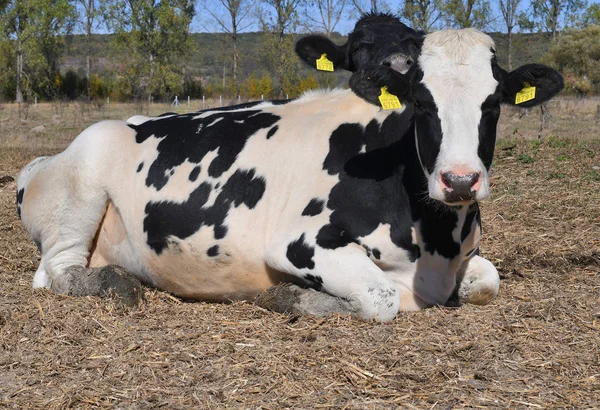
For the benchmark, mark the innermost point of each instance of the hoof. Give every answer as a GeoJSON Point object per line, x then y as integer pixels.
{"type": "Point", "coordinates": [112, 281]}
{"type": "Point", "coordinates": [292, 299]}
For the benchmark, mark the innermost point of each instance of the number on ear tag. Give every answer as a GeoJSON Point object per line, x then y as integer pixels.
{"type": "Point", "coordinates": [324, 64]}
{"type": "Point", "coordinates": [388, 101]}
{"type": "Point", "coordinates": [526, 94]}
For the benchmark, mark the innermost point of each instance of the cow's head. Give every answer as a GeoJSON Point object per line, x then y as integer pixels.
{"type": "Point", "coordinates": [457, 88]}
{"type": "Point", "coordinates": [378, 38]}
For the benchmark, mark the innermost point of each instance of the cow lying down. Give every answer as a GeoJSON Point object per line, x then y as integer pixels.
{"type": "Point", "coordinates": [374, 210]}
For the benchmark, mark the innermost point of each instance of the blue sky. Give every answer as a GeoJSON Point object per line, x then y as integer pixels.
{"type": "Point", "coordinates": [202, 22]}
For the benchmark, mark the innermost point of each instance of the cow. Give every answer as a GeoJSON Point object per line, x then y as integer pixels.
{"type": "Point", "coordinates": [374, 210]}
{"type": "Point", "coordinates": [377, 38]}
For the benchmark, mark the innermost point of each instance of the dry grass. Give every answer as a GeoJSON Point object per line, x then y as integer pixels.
{"type": "Point", "coordinates": [536, 346]}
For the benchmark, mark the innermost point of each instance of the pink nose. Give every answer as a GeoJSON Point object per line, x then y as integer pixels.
{"type": "Point", "coordinates": [460, 186]}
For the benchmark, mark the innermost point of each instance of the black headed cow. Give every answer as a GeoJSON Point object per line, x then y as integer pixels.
{"type": "Point", "coordinates": [377, 38]}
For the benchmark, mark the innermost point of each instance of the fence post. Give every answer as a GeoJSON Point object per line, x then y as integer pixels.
{"type": "Point", "coordinates": [262, 97]}
{"type": "Point", "coordinates": [35, 99]}
{"type": "Point", "coordinates": [108, 102]}
{"type": "Point", "coordinates": [239, 98]}
{"type": "Point", "coordinates": [203, 102]}
{"type": "Point", "coordinates": [188, 101]}
{"type": "Point", "coordinates": [287, 97]}
{"type": "Point", "coordinates": [220, 100]}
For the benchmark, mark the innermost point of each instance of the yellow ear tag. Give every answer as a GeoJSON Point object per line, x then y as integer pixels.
{"type": "Point", "coordinates": [526, 94]}
{"type": "Point", "coordinates": [388, 101]}
{"type": "Point", "coordinates": [324, 64]}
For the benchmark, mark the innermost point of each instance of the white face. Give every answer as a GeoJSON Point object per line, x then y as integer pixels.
{"type": "Point", "coordinates": [452, 120]}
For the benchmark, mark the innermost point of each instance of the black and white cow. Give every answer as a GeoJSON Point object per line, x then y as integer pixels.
{"type": "Point", "coordinates": [376, 208]}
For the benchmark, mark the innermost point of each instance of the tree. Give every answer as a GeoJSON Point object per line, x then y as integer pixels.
{"type": "Point", "coordinates": [154, 36]}
{"type": "Point", "coordinates": [231, 16]}
{"type": "Point", "coordinates": [468, 13]}
{"type": "Point", "coordinates": [509, 8]}
{"type": "Point", "coordinates": [547, 14]}
{"type": "Point", "coordinates": [370, 6]}
{"type": "Point", "coordinates": [279, 22]}
{"type": "Point", "coordinates": [591, 15]}
{"type": "Point", "coordinates": [37, 29]}
{"type": "Point", "coordinates": [330, 13]}
{"type": "Point", "coordinates": [577, 55]}
{"type": "Point", "coordinates": [88, 20]}
{"type": "Point", "coordinates": [423, 14]}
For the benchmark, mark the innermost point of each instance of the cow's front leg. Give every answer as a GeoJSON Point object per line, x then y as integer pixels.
{"type": "Point", "coordinates": [344, 272]}
{"type": "Point", "coordinates": [477, 282]}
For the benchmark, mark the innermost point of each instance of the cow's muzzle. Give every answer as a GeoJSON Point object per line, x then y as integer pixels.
{"type": "Point", "coordinates": [399, 62]}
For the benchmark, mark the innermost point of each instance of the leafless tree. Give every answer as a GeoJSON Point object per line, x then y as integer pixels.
{"type": "Point", "coordinates": [88, 17]}
{"type": "Point", "coordinates": [232, 17]}
{"type": "Point", "coordinates": [328, 17]}
{"type": "Point", "coordinates": [509, 8]}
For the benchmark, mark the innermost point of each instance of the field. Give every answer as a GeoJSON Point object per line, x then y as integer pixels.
{"type": "Point", "coordinates": [536, 346]}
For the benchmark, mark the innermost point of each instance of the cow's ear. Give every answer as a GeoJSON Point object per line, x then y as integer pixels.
{"type": "Point", "coordinates": [531, 84]}
{"type": "Point", "coordinates": [312, 48]}
{"type": "Point", "coordinates": [368, 83]}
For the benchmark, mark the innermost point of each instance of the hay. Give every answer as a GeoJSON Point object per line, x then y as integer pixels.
{"type": "Point", "coordinates": [536, 346]}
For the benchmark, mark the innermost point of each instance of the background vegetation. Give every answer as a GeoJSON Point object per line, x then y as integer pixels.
{"type": "Point", "coordinates": [145, 50]}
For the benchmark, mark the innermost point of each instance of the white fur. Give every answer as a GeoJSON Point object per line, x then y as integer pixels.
{"type": "Point", "coordinates": [457, 71]}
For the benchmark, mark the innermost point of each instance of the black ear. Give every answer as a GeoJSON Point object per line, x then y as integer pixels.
{"type": "Point", "coordinates": [547, 82]}
{"type": "Point", "coordinates": [367, 84]}
{"type": "Point", "coordinates": [311, 48]}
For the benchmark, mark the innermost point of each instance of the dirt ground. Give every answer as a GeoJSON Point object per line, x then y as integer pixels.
{"type": "Point", "coordinates": [536, 346]}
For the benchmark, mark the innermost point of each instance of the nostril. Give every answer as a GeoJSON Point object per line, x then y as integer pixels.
{"type": "Point", "coordinates": [387, 63]}
{"type": "Point", "coordinates": [447, 179]}
{"type": "Point", "coordinates": [409, 62]}
{"type": "Point", "coordinates": [474, 178]}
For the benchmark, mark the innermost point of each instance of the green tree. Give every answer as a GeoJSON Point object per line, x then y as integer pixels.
{"type": "Point", "coordinates": [591, 15]}
{"type": "Point", "coordinates": [468, 13]}
{"type": "Point", "coordinates": [577, 55]}
{"type": "Point", "coordinates": [154, 37]}
{"type": "Point", "coordinates": [546, 15]}
{"type": "Point", "coordinates": [36, 29]}
{"type": "Point", "coordinates": [280, 19]}
{"type": "Point", "coordinates": [423, 14]}
{"type": "Point", "coordinates": [509, 9]}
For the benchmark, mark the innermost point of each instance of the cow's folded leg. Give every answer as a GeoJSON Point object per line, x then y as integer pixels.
{"type": "Point", "coordinates": [477, 283]}
{"type": "Point", "coordinates": [109, 280]}
{"type": "Point", "coordinates": [345, 272]}
{"type": "Point", "coordinates": [293, 299]}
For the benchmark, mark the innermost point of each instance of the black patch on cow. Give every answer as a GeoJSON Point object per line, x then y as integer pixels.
{"type": "Point", "coordinates": [300, 254]}
{"type": "Point", "coordinates": [315, 280]}
{"type": "Point", "coordinates": [472, 215]}
{"type": "Point", "coordinates": [164, 219]}
{"type": "Point", "coordinates": [187, 138]}
{"type": "Point", "coordinates": [376, 253]}
{"type": "Point", "coordinates": [19, 201]}
{"type": "Point", "coordinates": [272, 131]}
{"type": "Point", "coordinates": [194, 173]}
{"type": "Point", "coordinates": [139, 168]}
{"type": "Point", "coordinates": [370, 190]}
{"type": "Point", "coordinates": [213, 251]}
{"type": "Point", "coordinates": [314, 207]}
{"type": "Point", "coordinates": [384, 184]}
{"type": "Point", "coordinates": [20, 194]}
{"type": "Point", "coordinates": [217, 185]}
